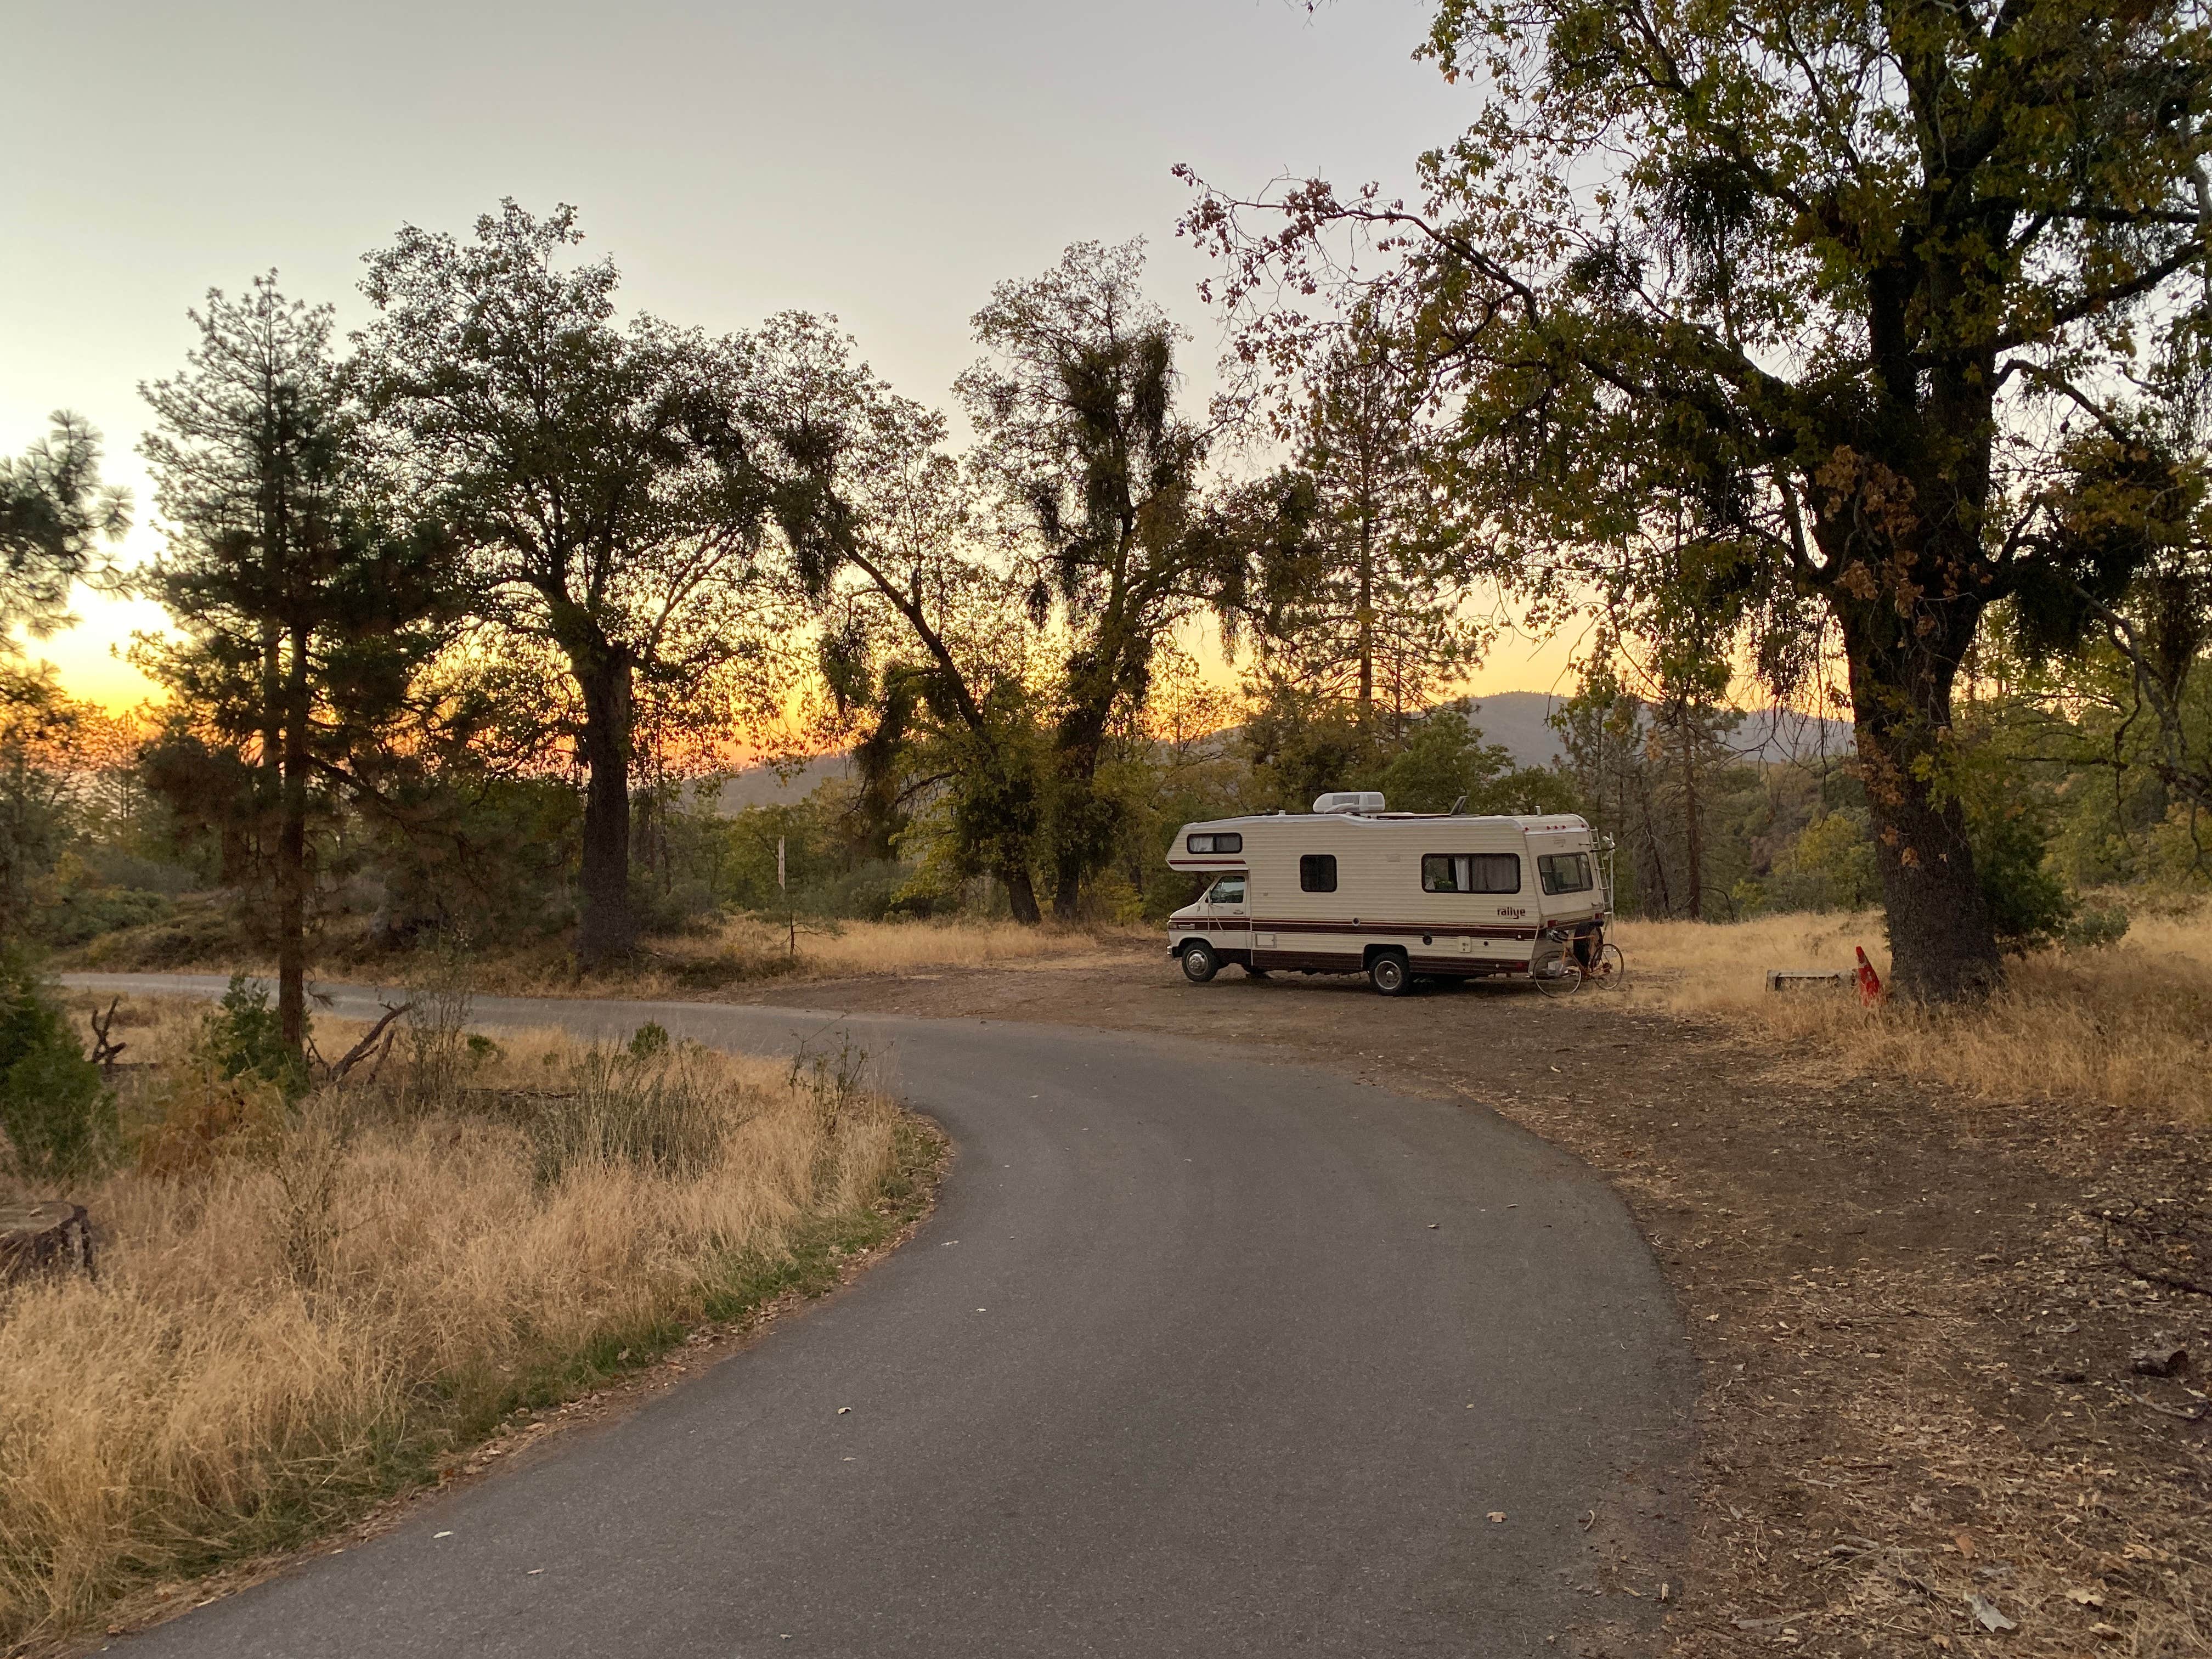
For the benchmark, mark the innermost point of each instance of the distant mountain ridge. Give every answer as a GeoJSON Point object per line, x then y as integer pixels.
{"type": "Point", "coordinates": [1520, 721]}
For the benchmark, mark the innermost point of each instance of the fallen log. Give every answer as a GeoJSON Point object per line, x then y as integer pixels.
{"type": "Point", "coordinates": [38, 1238]}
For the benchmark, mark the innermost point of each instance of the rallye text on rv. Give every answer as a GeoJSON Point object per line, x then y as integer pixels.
{"type": "Point", "coordinates": [1352, 889]}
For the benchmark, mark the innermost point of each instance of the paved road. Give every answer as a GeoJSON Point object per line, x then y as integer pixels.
{"type": "Point", "coordinates": [1180, 1366]}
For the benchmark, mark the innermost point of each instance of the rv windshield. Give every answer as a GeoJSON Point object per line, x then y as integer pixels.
{"type": "Point", "coordinates": [1229, 889]}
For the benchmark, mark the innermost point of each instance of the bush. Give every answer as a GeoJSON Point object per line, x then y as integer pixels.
{"type": "Point", "coordinates": [78, 914]}
{"type": "Point", "coordinates": [683, 907]}
{"type": "Point", "coordinates": [57, 1115]}
{"type": "Point", "coordinates": [2098, 925]}
{"type": "Point", "coordinates": [2029, 905]}
{"type": "Point", "coordinates": [243, 1039]}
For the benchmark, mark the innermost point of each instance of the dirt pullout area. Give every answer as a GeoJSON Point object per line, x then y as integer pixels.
{"type": "Point", "coordinates": [1943, 1409]}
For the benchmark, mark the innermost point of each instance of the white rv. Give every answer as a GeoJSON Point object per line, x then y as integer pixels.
{"type": "Point", "coordinates": [1352, 889]}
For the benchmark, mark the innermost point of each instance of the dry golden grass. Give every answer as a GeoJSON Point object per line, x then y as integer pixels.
{"type": "Point", "coordinates": [277, 1340]}
{"type": "Point", "coordinates": [837, 950]}
{"type": "Point", "coordinates": [745, 950]}
{"type": "Point", "coordinates": [2128, 1025]}
{"type": "Point", "coordinates": [738, 950]}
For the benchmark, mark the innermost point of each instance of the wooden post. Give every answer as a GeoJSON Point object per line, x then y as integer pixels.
{"type": "Point", "coordinates": [790, 916]}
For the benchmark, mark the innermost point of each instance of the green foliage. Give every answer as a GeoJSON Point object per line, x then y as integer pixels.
{"type": "Point", "coordinates": [1830, 866]}
{"type": "Point", "coordinates": [72, 905]}
{"type": "Point", "coordinates": [2029, 904]}
{"type": "Point", "coordinates": [2094, 926]}
{"type": "Point", "coordinates": [37, 726]}
{"type": "Point", "coordinates": [1444, 763]}
{"type": "Point", "coordinates": [648, 1040]}
{"type": "Point", "coordinates": [242, 1038]}
{"type": "Point", "coordinates": [53, 514]}
{"type": "Point", "coordinates": [57, 1117]}
{"type": "Point", "coordinates": [1695, 826]}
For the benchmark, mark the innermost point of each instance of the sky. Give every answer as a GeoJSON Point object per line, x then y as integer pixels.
{"type": "Point", "coordinates": [884, 161]}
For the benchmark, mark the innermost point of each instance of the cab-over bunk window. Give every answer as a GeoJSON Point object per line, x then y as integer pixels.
{"type": "Point", "coordinates": [1219, 841]}
{"type": "Point", "coordinates": [1470, 872]}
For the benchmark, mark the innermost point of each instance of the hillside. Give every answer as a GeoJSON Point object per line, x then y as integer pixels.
{"type": "Point", "coordinates": [1521, 720]}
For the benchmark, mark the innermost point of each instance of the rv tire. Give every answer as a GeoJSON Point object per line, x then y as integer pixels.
{"type": "Point", "coordinates": [1200, 964]}
{"type": "Point", "coordinates": [1388, 972]}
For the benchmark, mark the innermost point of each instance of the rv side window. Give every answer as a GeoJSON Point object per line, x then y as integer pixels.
{"type": "Point", "coordinates": [1564, 873]}
{"type": "Point", "coordinates": [1216, 843]}
{"type": "Point", "coordinates": [1317, 872]}
{"type": "Point", "coordinates": [1229, 889]}
{"type": "Point", "coordinates": [1471, 872]}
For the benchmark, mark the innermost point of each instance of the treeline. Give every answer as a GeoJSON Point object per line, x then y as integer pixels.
{"type": "Point", "coordinates": [465, 602]}
{"type": "Point", "coordinates": [473, 607]}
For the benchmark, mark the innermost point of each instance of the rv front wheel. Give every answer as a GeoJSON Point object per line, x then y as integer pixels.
{"type": "Point", "coordinates": [1388, 974]}
{"type": "Point", "coordinates": [1200, 964]}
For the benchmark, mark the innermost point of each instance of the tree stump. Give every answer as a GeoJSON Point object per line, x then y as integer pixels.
{"type": "Point", "coordinates": [44, 1238]}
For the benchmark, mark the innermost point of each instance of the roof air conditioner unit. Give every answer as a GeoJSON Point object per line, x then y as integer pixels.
{"type": "Point", "coordinates": [1349, 800]}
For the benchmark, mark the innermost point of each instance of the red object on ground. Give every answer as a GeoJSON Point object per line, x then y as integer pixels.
{"type": "Point", "coordinates": [1869, 982]}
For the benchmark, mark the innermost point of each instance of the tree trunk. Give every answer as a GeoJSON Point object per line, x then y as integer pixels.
{"type": "Point", "coordinates": [1081, 824]}
{"type": "Point", "coordinates": [1021, 894]}
{"type": "Point", "coordinates": [608, 925]}
{"type": "Point", "coordinates": [1942, 944]}
{"type": "Point", "coordinates": [1366, 629]}
{"type": "Point", "coordinates": [1077, 802]}
{"type": "Point", "coordinates": [1693, 836]}
{"type": "Point", "coordinates": [1077, 812]}
{"type": "Point", "coordinates": [292, 855]}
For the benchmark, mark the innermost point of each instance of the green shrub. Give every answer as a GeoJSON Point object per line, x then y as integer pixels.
{"type": "Point", "coordinates": [2028, 902]}
{"type": "Point", "coordinates": [244, 1038]}
{"type": "Point", "coordinates": [78, 914]}
{"type": "Point", "coordinates": [57, 1117]}
{"type": "Point", "coordinates": [2095, 926]}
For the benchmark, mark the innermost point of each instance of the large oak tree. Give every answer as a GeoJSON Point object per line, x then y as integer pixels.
{"type": "Point", "coordinates": [1773, 314]}
{"type": "Point", "coordinates": [598, 476]}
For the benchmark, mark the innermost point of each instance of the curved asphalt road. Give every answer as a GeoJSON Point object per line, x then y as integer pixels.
{"type": "Point", "coordinates": [1179, 1367]}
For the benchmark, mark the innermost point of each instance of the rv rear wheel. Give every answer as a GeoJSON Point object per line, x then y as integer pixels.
{"type": "Point", "coordinates": [1388, 973]}
{"type": "Point", "coordinates": [1200, 964]}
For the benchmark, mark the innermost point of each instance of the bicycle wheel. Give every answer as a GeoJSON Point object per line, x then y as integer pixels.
{"type": "Point", "coordinates": [1610, 971]}
{"type": "Point", "coordinates": [1565, 983]}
